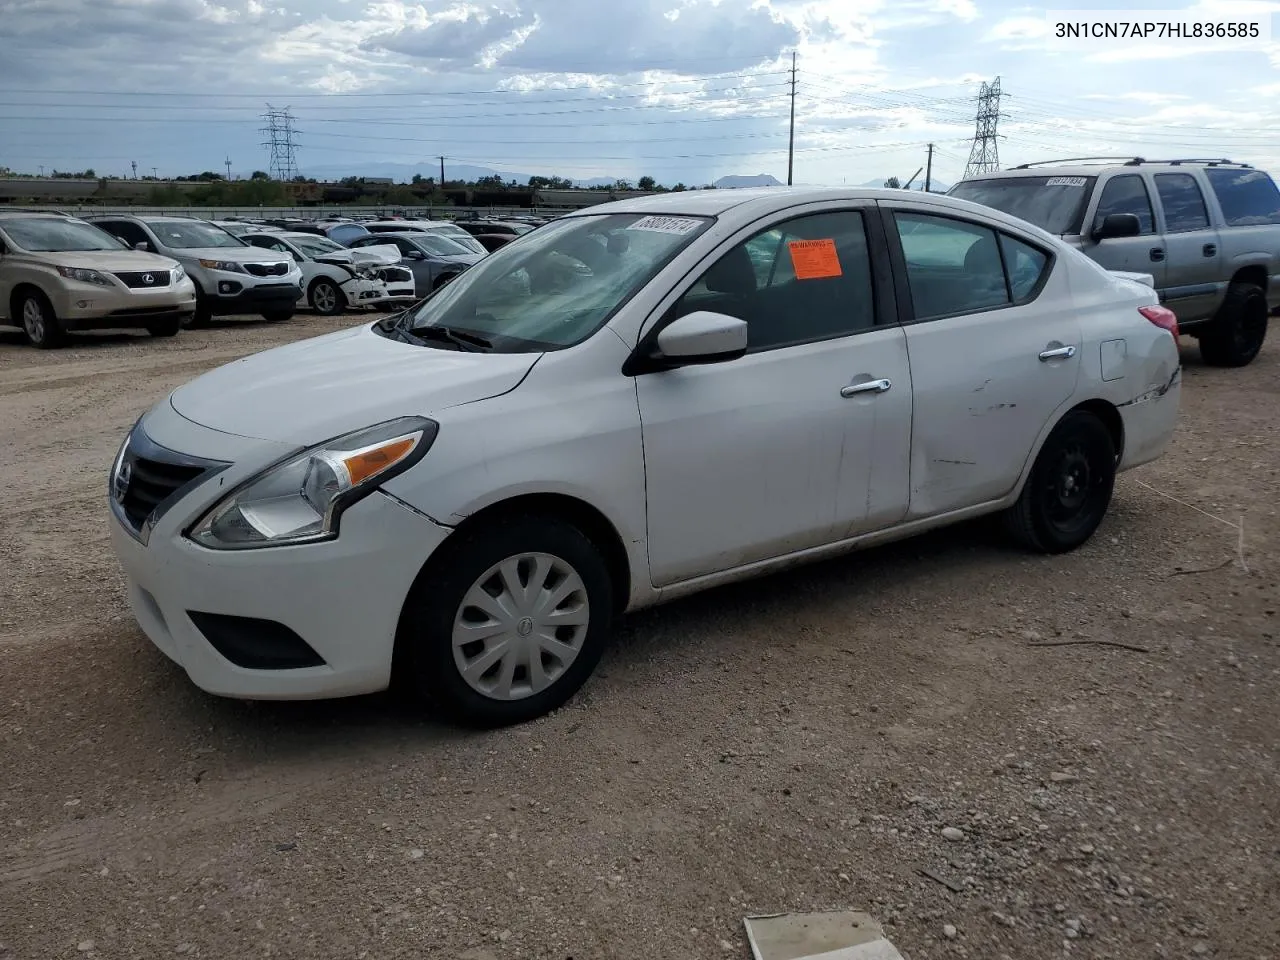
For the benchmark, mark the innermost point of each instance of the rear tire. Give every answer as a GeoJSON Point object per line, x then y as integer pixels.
{"type": "Point", "coordinates": [278, 316]}
{"type": "Point", "coordinates": [165, 328]}
{"type": "Point", "coordinates": [1236, 334]}
{"type": "Point", "coordinates": [555, 636]}
{"type": "Point", "coordinates": [39, 322]}
{"type": "Point", "coordinates": [1067, 494]}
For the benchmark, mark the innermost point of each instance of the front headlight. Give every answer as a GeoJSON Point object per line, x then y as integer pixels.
{"type": "Point", "coordinates": [229, 266]}
{"type": "Point", "coordinates": [178, 274]}
{"type": "Point", "coordinates": [301, 499]}
{"type": "Point", "coordinates": [85, 276]}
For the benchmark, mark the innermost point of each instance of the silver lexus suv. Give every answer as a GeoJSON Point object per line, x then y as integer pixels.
{"type": "Point", "coordinates": [1206, 231]}
{"type": "Point", "coordinates": [230, 275]}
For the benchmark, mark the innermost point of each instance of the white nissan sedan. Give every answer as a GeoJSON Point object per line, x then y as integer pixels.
{"type": "Point", "coordinates": [632, 403]}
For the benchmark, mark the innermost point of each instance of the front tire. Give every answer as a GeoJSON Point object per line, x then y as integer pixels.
{"type": "Point", "coordinates": [202, 314]}
{"type": "Point", "coordinates": [510, 623]}
{"type": "Point", "coordinates": [1069, 489]}
{"type": "Point", "coordinates": [39, 323]}
{"type": "Point", "coordinates": [165, 328]}
{"type": "Point", "coordinates": [1236, 334]}
{"type": "Point", "coordinates": [327, 299]}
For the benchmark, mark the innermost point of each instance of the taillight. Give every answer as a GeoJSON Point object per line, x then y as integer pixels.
{"type": "Point", "coordinates": [1162, 317]}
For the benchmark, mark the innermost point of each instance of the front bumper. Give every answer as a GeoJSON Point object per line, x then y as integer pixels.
{"type": "Point", "coordinates": [369, 293]}
{"type": "Point", "coordinates": [260, 298]}
{"type": "Point", "coordinates": [342, 597]}
{"type": "Point", "coordinates": [84, 306]}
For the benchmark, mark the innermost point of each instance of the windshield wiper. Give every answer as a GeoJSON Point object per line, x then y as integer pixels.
{"type": "Point", "coordinates": [460, 338]}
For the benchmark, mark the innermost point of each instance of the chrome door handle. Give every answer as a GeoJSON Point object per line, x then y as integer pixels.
{"type": "Point", "coordinates": [1059, 353]}
{"type": "Point", "coordinates": [871, 386]}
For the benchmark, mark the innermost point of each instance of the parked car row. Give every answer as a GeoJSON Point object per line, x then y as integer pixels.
{"type": "Point", "coordinates": [161, 273]}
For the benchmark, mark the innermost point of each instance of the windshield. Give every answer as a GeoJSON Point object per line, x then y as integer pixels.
{"type": "Point", "coordinates": [460, 237]}
{"type": "Point", "coordinates": [316, 246]}
{"type": "Point", "coordinates": [441, 246]}
{"type": "Point", "coordinates": [558, 286]}
{"type": "Point", "coordinates": [192, 234]}
{"type": "Point", "coordinates": [1054, 204]}
{"type": "Point", "coordinates": [57, 235]}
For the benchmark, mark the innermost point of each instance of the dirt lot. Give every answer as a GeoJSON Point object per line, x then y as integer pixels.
{"type": "Point", "coordinates": [795, 743]}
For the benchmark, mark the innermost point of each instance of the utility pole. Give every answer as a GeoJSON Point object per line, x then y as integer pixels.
{"type": "Point", "coordinates": [984, 157]}
{"type": "Point", "coordinates": [155, 173]}
{"type": "Point", "coordinates": [442, 173]}
{"type": "Point", "coordinates": [928, 171]}
{"type": "Point", "coordinates": [42, 169]}
{"type": "Point", "coordinates": [791, 141]}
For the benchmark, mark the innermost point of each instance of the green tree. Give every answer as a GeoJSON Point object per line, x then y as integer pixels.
{"type": "Point", "coordinates": [647, 183]}
{"type": "Point", "coordinates": [259, 175]}
{"type": "Point", "coordinates": [679, 188]}
{"type": "Point", "coordinates": [893, 183]}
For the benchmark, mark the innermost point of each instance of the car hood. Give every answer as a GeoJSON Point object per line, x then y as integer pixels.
{"type": "Point", "coordinates": [307, 392]}
{"type": "Point", "coordinates": [109, 260]}
{"type": "Point", "coordinates": [380, 254]}
{"type": "Point", "coordinates": [234, 254]}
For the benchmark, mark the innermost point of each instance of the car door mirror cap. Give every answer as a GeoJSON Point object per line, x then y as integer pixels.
{"type": "Point", "coordinates": [415, 255]}
{"type": "Point", "coordinates": [702, 337]}
{"type": "Point", "coordinates": [1116, 225]}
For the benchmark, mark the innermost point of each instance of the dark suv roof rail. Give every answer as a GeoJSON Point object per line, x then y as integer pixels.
{"type": "Point", "coordinates": [1051, 163]}
{"type": "Point", "coordinates": [1207, 161]}
{"type": "Point", "coordinates": [46, 210]}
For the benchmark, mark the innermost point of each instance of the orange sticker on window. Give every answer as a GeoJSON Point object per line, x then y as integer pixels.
{"type": "Point", "coordinates": [814, 259]}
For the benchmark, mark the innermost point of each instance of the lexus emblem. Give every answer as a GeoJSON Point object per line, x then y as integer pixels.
{"type": "Point", "coordinates": [148, 278]}
{"type": "Point", "coordinates": [121, 485]}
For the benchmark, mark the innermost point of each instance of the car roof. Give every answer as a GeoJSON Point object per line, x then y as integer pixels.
{"type": "Point", "coordinates": [710, 203]}
{"type": "Point", "coordinates": [1090, 167]}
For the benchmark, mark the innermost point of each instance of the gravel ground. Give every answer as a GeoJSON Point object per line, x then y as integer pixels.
{"type": "Point", "coordinates": [812, 740]}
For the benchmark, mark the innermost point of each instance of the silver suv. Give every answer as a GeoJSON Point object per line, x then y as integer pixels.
{"type": "Point", "coordinates": [230, 275]}
{"type": "Point", "coordinates": [1206, 231]}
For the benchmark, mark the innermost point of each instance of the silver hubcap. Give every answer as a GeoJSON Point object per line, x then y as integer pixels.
{"type": "Point", "coordinates": [33, 319]}
{"type": "Point", "coordinates": [520, 626]}
{"type": "Point", "coordinates": [326, 298]}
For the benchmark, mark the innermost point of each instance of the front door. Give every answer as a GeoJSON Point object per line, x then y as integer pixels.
{"type": "Point", "coordinates": [1145, 253]}
{"type": "Point", "coordinates": [995, 352]}
{"type": "Point", "coordinates": [807, 436]}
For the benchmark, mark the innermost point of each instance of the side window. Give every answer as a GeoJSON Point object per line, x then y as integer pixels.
{"type": "Point", "coordinates": [130, 233]}
{"type": "Point", "coordinates": [952, 266]}
{"type": "Point", "coordinates": [1126, 194]}
{"type": "Point", "coordinates": [1247, 197]}
{"type": "Point", "coordinates": [800, 281]}
{"type": "Point", "coordinates": [345, 234]}
{"type": "Point", "coordinates": [259, 241]}
{"type": "Point", "coordinates": [1024, 264]}
{"type": "Point", "coordinates": [1182, 201]}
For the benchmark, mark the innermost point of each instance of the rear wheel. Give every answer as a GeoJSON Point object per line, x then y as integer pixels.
{"type": "Point", "coordinates": [512, 622]}
{"type": "Point", "coordinates": [1069, 490]}
{"type": "Point", "coordinates": [327, 299]}
{"type": "Point", "coordinates": [39, 322]}
{"type": "Point", "coordinates": [1236, 334]}
{"type": "Point", "coordinates": [165, 328]}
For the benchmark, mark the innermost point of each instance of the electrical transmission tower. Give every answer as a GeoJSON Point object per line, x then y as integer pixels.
{"type": "Point", "coordinates": [984, 156]}
{"type": "Point", "coordinates": [280, 141]}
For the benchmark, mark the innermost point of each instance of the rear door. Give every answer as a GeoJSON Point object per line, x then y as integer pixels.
{"type": "Point", "coordinates": [1193, 279]}
{"type": "Point", "coordinates": [994, 346]}
{"type": "Point", "coordinates": [1145, 253]}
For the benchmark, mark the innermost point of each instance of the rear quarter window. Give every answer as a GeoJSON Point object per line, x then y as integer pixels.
{"type": "Point", "coordinates": [1248, 197]}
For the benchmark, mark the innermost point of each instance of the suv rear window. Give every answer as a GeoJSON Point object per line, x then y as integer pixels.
{"type": "Point", "coordinates": [1054, 204]}
{"type": "Point", "coordinates": [1247, 197]}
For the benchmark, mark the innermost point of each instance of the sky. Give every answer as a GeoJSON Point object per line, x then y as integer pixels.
{"type": "Point", "coordinates": [680, 90]}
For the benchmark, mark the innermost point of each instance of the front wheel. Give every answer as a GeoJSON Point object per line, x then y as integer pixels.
{"type": "Point", "coordinates": [165, 328]}
{"type": "Point", "coordinates": [1069, 489]}
{"type": "Point", "coordinates": [327, 299]}
{"type": "Point", "coordinates": [39, 322]}
{"type": "Point", "coordinates": [512, 622]}
{"type": "Point", "coordinates": [1236, 334]}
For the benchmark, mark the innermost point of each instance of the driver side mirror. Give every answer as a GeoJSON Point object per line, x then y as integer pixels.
{"type": "Point", "coordinates": [142, 245]}
{"type": "Point", "coordinates": [1116, 225]}
{"type": "Point", "coordinates": [696, 338]}
{"type": "Point", "coordinates": [415, 255]}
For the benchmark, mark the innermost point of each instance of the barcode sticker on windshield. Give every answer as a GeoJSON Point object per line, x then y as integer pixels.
{"type": "Point", "coordinates": [677, 225]}
{"type": "Point", "coordinates": [1066, 182]}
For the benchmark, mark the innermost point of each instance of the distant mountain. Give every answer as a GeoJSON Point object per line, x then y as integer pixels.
{"type": "Point", "coordinates": [759, 180]}
{"type": "Point", "coordinates": [403, 172]}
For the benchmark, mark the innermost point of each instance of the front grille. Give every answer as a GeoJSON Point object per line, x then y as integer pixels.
{"type": "Point", "coordinates": [149, 477]}
{"type": "Point", "coordinates": [144, 279]}
{"type": "Point", "coordinates": [267, 269]}
{"type": "Point", "coordinates": [151, 483]}
{"type": "Point", "coordinates": [395, 275]}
